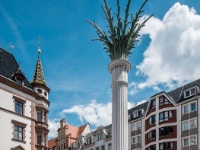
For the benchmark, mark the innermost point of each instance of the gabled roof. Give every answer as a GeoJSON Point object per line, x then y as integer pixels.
{"type": "Point", "coordinates": [138, 107]}
{"type": "Point", "coordinates": [178, 94]}
{"type": "Point", "coordinates": [9, 66]}
{"type": "Point", "coordinates": [52, 142]}
{"type": "Point", "coordinates": [81, 129]}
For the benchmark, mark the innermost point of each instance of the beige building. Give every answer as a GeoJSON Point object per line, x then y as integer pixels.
{"type": "Point", "coordinates": [23, 106]}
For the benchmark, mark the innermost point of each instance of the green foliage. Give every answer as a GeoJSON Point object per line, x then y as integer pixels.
{"type": "Point", "coordinates": [122, 36]}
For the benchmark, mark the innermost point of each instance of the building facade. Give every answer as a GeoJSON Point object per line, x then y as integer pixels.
{"type": "Point", "coordinates": [68, 134]}
{"type": "Point", "coordinates": [168, 121]}
{"type": "Point", "coordinates": [23, 106]}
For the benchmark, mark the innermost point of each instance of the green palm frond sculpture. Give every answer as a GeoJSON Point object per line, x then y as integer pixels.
{"type": "Point", "coordinates": [122, 36]}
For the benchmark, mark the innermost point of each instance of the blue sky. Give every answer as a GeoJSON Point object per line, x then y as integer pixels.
{"type": "Point", "coordinates": [76, 69]}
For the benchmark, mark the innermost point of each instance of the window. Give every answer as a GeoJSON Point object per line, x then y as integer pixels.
{"type": "Point", "coordinates": [136, 126]}
{"type": "Point", "coordinates": [165, 131]}
{"type": "Point", "coordinates": [139, 139]}
{"type": "Point", "coordinates": [102, 147]}
{"type": "Point", "coordinates": [185, 125]}
{"type": "Point", "coordinates": [45, 117]}
{"type": "Point", "coordinates": [152, 147]}
{"type": "Point", "coordinates": [189, 107]}
{"type": "Point", "coordinates": [19, 81]}
{"type": "Point", "coordinates": [97, 148]}
{"type": "Point", "coordinates": [153, 104]}
{"type": "Point", "coordinates": [165, 145]}
{"type": "Point", "coordinates": [133, 140]}
{"type": "Point", "coordinates": [133, 127]}
{"type": "Point", "coordinates": [193, 106]}
{"type": "Point", "coordinates": [163, 100]}
{"type": "Point", "coordinates": [39, 115]}
{"type": "Point", "coordinates": [193, 140]}
{"type": "Point", "coordinates": [190, 140]}
{"type": "Point", "coordinates": [64, 146]}
{"type": "Point", "coordinates": [89, 140]}
{"type": "Point", "coordinates": [109, 147]}
{"type": "Point", "coordinates": [151, 135]}
{"type": "Point", "coordinates": [19, 107]}
{"type": "Point", "coordinates": [188, 124]}
{"type": "Point", "coordinates": [59, 147]}
{"type": "Point", "coordinates": [137, 113]}
{"type": "Point", "coordinates": [185, 142]}
{"type": "Point", "coordinates": [136, 139]}
{"type": "Point", "coordinates": [190, 92]}
{"type": "Point", "coordinates": [163, 116]}
{"type": "Point", "coordinates": [193, 123]}
{"type": "Point", "coordinates": [109, 132]}
{"type": "Point", "coordinates": [39, 91]}
{"type": "Point", "coordinates": [185, 109]}
{"type": "Point", "coordinates": [39, 139]}
{"type": "Point", "coordinates": [99, 136]}
{"type": "Point", "coordinates": [152, 120]}
{"type": "Point", "coordinates": [18, 133]}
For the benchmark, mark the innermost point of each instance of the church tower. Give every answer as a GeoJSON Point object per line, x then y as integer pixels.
{"type": "Point", "coordinates": [41, 106]}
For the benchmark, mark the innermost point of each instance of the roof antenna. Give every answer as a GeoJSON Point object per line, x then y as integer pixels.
{"type": "Point", "coordinates": [11, 47]}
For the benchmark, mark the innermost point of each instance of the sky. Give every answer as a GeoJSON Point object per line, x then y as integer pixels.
{"type": "Point", "coordinates": [76, 68]}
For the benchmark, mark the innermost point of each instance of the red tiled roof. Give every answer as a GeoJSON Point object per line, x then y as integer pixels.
{"type": "Point", "coordinates": [81, 129]}
{"type": "Point", "coordinates": [74, 131]}
{"type": "Point", "coordinates": [52, 142]}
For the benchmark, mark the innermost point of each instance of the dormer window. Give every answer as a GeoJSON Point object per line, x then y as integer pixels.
{"type": "Point", "coordinates": [163, 100]}
{"type": "Point", "coordinates": [99, 136]}
{"type": "Point", "coordinates": [19, 77]}
{"type": "Point", "coordinates": [153, 104]}
{"type": "Point", "coordinates": [190, 92]}
{"type": "Point", "coordinates": [19, 81]}
{"type": "Point", "coordinates": [137, 113]}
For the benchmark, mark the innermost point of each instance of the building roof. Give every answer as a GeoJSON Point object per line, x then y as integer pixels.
{"type": "Point", "coordinates": [38, 74]}
{"type": "Point", "coordinates": [52, 142]}
{"type": "Point", "coordinates": [178, 94]}
{"type": "Point", "coordinates": [9, 66]}
{"type": "Point", "coordinates": [138, 107]}
{"type": "Point", "coordinates": [81, 129]}
{"type": "Point", "coordinates": [74, 131]}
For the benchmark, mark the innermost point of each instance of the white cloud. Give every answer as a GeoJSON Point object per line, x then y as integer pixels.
{"type": "Point", "coordinates": [133, 86]}
{"type": "Point", "coordinates": [172, 57]}
{"type": "Point", "coordinates": [54, 124]}
{"type": "Point", "coordinates": [95, 113]}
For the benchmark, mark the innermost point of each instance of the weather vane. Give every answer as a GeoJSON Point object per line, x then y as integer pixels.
{"type": "Point", "coordinates": [11, 47]}
{"type": "Point", "coordinates": [39, 50]}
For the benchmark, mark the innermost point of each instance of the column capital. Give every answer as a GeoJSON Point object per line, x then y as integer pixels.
{"type": "Point", "coordinates": [119, 62]}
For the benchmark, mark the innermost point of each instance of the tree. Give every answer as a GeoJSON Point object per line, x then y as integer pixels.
{"type": "Point", "coordinates": [122, 36]}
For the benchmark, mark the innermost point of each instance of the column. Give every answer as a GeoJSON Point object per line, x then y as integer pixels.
{"type": "Point", "coordinates": [119, 69]}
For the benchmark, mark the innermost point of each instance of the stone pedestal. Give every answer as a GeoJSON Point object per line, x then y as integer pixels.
{"type": "Point", "coordinates": [119, 69]}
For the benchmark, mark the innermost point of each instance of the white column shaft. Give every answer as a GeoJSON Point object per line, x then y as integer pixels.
{"type": "Point", "coordinates": [119, 70]}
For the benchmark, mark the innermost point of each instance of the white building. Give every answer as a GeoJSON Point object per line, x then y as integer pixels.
{"type": "Point", "coordinates": [23, 106]}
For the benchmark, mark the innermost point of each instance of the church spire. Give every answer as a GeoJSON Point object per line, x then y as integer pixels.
{"type": "Point", "coordinates": [38, 74]}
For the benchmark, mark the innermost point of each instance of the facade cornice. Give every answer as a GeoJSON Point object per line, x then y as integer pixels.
{"type": "Point", "coordinates": [14, 113]}
{"type": "Point", "coordinates": [16, 86]}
